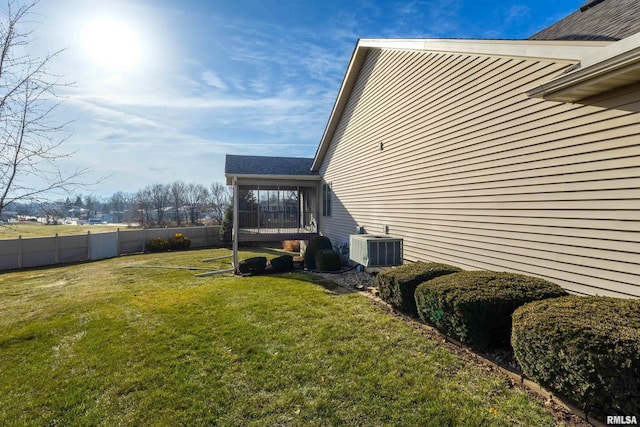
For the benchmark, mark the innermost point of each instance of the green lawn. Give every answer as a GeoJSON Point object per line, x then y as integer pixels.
{"type": "Point", "coordinates": [36, 229]}
{"type": "Point", "coordinates": [99, 344]}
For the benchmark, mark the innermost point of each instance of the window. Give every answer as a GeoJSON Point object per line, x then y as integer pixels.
{"type": "Point", "coordinates": [326, 199]}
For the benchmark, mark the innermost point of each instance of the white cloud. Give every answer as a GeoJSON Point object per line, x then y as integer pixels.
{"type": "Point", "coordinates": [211, 79]}
{"type": "Point", "coordinates": [516, 13]}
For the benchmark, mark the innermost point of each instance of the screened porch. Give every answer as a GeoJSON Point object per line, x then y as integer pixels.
{"type": "Point", "coordinates": [273, 212]}
{"type": "Point", "coordinates": [275, 198]}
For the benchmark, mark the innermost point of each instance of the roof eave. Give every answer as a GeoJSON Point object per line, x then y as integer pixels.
{"type": "Point", "coordinates": [615, 66]}
{"type": "Point", "coordinates": [230, 177]}
{"type": "Point", "coordinates": [350, 77]}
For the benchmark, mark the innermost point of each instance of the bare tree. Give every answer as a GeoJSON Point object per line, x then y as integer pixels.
{"type": "Point", "coordinates": [91, 203]}
{"type": "Point", "coordinates": [218, 200]}
{"type": "Point", "coordinates": [196, 196]}
{"type": "Point", "coordinates": [52, 211]}
{"type": "Point", "coordinates": [160, 198]}
{"type": "Point", "coordinates": [141, 207]}
{"type": "Point", "coordinates": [29, 141]}
{"type": "Point", "coordinates": [118, 203]}
{"type": "Point", "coordinates": [178, 189]}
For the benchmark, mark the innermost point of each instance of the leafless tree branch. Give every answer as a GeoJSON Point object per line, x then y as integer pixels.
{"type": "Point", "coordinates": [30, 141]}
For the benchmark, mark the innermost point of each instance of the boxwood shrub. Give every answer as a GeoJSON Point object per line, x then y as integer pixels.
{"type": "Point", "coordinates": [314, 245]}
{"type": "Point", "coordinates": [475, 307]}
{"type": "Point", "coordinates": [586, 349]}
{"type": "Point", "coordinates": [328, 260]}
{"type": "Point", "coordinates": [397, 286]}
{"type": "Point", "coordinates": [158, 244]}
{"type": "Point", "coordinates": [253, 266]}
{"type": "Point", "coordinates": [179, 242]}
{"type": "Point", "coordinates": [282, 263]}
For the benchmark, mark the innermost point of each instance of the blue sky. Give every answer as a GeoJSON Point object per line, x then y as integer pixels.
{"type": "Point", "coordinates": [164, 89]}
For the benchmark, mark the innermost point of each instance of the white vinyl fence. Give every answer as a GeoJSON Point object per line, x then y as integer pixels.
{"type": "Point", "coordinates": [40, 251]}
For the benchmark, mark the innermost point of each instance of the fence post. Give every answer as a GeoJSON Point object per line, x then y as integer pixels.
{"type": "Point", "coordinates": [144, 239]}
{"type": "Point", "coordinates": [118, 240]}
{"type": "Point", "coordinates": [88, 245]}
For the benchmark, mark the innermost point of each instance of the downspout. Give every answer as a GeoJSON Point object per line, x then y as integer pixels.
{"type": "Point", "coordinates": [236, 204]}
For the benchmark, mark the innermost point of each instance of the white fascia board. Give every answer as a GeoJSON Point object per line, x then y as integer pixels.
{"type": "Point", "coordinates": [350, 77]}
{"type": "Point", "coordinates": [616, 60]}
{"type": "Point", "coordinates": [239, 177]}
{"type": "Point", "coordinates": [570, 51]}
{"type": "Point", "coordinates": [619, 48]}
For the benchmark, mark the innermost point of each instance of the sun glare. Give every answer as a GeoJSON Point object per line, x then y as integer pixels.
{"type": "Point", "coordinates": [112, 44]}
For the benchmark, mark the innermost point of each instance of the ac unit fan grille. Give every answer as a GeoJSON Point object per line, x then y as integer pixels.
{"type": "Point", "coordinates": [375, 251]}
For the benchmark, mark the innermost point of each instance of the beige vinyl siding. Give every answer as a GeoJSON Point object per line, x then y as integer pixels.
{"type": "Point", "coordinates": [476, 174]}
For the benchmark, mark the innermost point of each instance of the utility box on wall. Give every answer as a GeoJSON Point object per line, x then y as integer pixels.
{"type": "Point", "coordinates": [375, 251]}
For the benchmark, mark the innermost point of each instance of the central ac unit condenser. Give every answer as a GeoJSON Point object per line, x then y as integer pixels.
{"type": "Point", "coordinates": [375, 251]}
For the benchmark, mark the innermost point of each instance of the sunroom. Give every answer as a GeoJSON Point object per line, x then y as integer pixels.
{"type": "Point", "coordinates": [275, 198]}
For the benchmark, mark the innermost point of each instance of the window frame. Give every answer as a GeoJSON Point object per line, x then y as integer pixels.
{"type": "Point", "coordinates": [327, 192]}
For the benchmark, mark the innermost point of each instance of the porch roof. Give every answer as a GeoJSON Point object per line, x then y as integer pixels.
{"type": "Point", "coordinates": [269, 168]}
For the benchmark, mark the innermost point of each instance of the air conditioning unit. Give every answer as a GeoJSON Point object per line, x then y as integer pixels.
{"type": "Point", "coordinates": [375, 251]}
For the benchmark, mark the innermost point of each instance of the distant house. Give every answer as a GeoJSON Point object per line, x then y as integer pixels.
{"type": "Point", "coordinates": [518, 155]}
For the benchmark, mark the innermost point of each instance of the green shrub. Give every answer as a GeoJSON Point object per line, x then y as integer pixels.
{"type": "Point", "coordinates": [398, 285]}
{"type": "Point", "coordinates": [282, 263]}
{"type": "Point", "coordinates": [315, 244]}
{"type": "Point", "coordinates": [328, 260]}
{"type": "Point", "coordinates": [253, 266]}
{"type": "Point", "coordinates": [475, 307]}
{"type": "Point", "coordinates": [179, 242]}
{"type": "Point", "coordinates": [158, 244]}
{"type": "Point", "coordinates": [586, 349]}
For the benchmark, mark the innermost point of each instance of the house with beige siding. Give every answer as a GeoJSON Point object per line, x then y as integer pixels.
{"type": "Point", "coordinates": [508, 155]}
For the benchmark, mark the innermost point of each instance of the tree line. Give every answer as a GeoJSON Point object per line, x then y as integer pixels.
{"type": "Point", "coordinates": [158, 204]}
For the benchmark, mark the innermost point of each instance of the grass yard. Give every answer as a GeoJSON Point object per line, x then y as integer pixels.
{"type": "Point", "coordinates": [36, 229]}
{"type": "Point", "coordinates": [99, 344]}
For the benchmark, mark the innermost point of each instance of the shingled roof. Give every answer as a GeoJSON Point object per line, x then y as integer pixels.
{"type": "Point", "coordinates": [261, 165]}
{"type": "Point", "coordinates": [606, 20]}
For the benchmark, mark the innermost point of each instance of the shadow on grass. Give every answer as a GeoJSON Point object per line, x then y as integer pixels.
{"type": "Point", "coordinates": [331, 286]}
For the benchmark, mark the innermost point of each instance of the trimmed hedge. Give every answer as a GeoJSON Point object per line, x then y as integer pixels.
{"type": "Point", "coordinates": [398, 285]}
{"type": "Point", "coordinates": [315, 244]}
{"type": "Point", "coordinates": [158, 244]}
{"type": "Point", "coordinates": [253, 266]}
{"type": "Point", "coordinates": [282, 263]}
{"type": "Point", "coordinates": [179, 242]}
{"type": "Point", "coordinates": [586, 349]}
{"type": "Point", "coordinates": [475, 307]}
{"type": "Point", "coordinates": [328, 260]}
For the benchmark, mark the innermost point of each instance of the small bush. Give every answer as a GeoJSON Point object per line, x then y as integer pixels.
{"type": "Point", "coordinates": [586, 349]}
{"type": "Point", "coordinates": [328, 260]}
{"type": "Point", "coordinates": [282, 263]}
{"type": "Point", "coordinates": [291, 245]}
{"type": "Point", "coordinates": [253, 266]}
{"type": "Point", "coordinates": [315, 244]}
{"type": "Point", "coordinates": [158, 244]}
{"type": "Point", "coordinates": [398, 285]}
{"type": "Point", "coordinates": [179, 242]}
{"type": "Point", "coordinates": [475, 307]}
